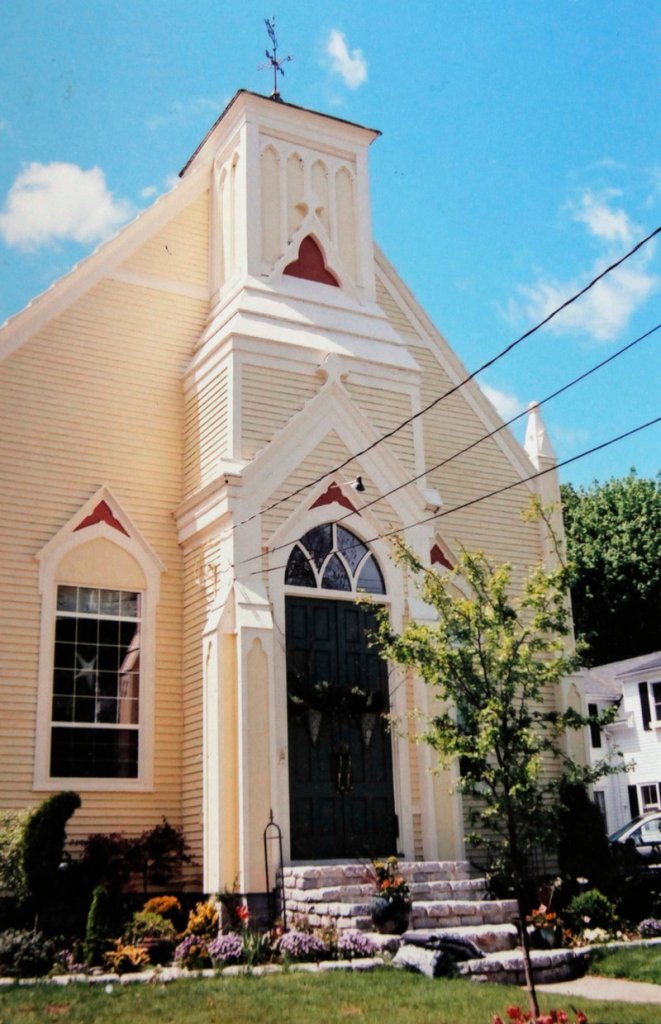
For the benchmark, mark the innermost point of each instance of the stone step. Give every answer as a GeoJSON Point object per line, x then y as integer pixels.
{"type": "Point", "coordinates": [506, 968]}
{"type": "Point", "coordinates": [320, 876]}
{"type": "Point", "coordinates": [490, 938]}
{"type": "Point", "coordinates": [456, 913]}
{"type": "Point", "coordinates": [425, 914]}
{"type": "Point", "coordinates": [461, 888]}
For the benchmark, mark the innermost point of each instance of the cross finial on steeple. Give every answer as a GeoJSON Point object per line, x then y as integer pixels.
{"type": "Point", "coordinates": [272, 57]}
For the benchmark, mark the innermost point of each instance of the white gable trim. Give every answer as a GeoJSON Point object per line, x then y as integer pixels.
{"type": "Point", "coordinates": [69, 537]}
{"type": "Point", "coordinates": [332, 410]}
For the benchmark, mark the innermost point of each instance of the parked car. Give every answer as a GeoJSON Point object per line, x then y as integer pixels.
{"type": "Point", "coordinates": [643, 834]}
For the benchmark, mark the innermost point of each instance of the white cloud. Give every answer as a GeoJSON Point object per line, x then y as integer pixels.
{"type": "Point", "coordinates": [602, 221]}
{"type": "Point", "coordinates": [352, 67]}
{"type": "Point", "coordinates": [56, 202]}
{"type": "Point", "coordinates": [603, 312]}
{"type": "Point", "coordinates": [505, 404]}
{"type": "Point", "coordinates": [148, 192]}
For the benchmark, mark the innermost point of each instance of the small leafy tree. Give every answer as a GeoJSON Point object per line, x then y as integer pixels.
{"type": "Point", "coordinates": [492, 659]}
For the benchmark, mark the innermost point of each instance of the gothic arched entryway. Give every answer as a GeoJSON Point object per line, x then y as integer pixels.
{"type": "Point", "coordinates": [340, 754]}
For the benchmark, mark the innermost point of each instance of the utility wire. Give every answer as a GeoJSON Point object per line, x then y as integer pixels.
{"type": "Point", "coordinates": [451, 391]}
{"type": "Point", "coordinates": [491, 494]}
{"type": "Point", "coordinates": [479, 440]}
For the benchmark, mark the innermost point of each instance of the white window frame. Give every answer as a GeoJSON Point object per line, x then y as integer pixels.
{"type": "Point", "coordinates": [648, 807]}
{"type": "Point", "coordinates": [50, 577]}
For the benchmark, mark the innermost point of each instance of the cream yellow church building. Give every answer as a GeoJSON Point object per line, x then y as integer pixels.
{"type": "Point", "coordinates": [196, 491]}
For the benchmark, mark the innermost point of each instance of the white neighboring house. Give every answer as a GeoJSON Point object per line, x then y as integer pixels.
{"type": "Point", "coordinates": [634, 687]}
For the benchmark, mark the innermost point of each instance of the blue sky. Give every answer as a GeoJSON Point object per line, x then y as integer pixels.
{"type": "Point", "coordinates": [520, 155]}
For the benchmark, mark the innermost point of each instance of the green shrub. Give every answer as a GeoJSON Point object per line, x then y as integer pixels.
{"type": "Point", "coordinates": [591, 909]}
{"type": "Point", "coordinates": [12, 873]}
{"type": "Point", "coordinates": [157, 856]}
{"type": "Point", "coordinates": [145, 925]}
{"type": "Point", "coordinates": [99, 926]}
{"type": "Point", "coordinates": [43, 844]}
{"type": "Point", "coordinates": [25, 954]}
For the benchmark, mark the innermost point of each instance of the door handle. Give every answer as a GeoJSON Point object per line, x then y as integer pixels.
{"type": "Point", "coordinates": [343, 770]}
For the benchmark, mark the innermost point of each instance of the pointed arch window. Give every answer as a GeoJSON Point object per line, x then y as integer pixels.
{"type": "Point", "coordinates": [330, 557]}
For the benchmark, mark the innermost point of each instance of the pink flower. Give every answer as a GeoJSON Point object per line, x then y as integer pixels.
{"type": "Point", "coordinates": [496, 1019]}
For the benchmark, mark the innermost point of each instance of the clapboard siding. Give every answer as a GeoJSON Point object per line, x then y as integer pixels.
{"type": "Point", "coordinates": [270, 398]}
{"type": "Point", "coordinates": [393, 310]}
{"type": "Point", "coordinates": [94, 398]}
{"type": "Point", "coordinates": [206, 429]}
{"type": "Point", "coordinates": [179, 251]}
{"type": "Point", "coordinates": [386, 409]}
{"type": "Point", "coordinates": [494, 525]}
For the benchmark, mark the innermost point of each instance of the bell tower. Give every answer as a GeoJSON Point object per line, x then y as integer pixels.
{"type": "Point", "coordinates": [290, 199]}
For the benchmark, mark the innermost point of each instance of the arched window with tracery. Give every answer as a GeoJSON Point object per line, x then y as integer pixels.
{"type": "Point", "coordinates": [330, 557]}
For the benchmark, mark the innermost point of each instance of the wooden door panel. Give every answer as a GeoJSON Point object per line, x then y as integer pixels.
{"type": "Point", "coordinates": [341, 790]}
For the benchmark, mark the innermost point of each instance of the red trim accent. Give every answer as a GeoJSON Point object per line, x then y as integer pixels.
{"type": "Point", "coordinates": [310, 264]}
{"type": "Point", "coordinates": [333, 495]}
{"type": "Point", "coordinates": [438, 558]}
{"type": "Point", "coordinates": [102, 514]}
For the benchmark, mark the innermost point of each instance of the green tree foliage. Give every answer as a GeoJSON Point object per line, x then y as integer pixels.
{"type": "Point", "coordinates": [614, 543]}
{"type": "Point", "coordinates": [493, 659]}
{"type": "Point", "coordinates": [43, 844]}
{"type": "Point", "coordinates": [12, 875]}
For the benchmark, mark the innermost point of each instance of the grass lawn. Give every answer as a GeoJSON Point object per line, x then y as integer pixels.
{"type": "Point", "coordinates": [641, 964]}
{"type": "Point", "coordinates": [386, 997]}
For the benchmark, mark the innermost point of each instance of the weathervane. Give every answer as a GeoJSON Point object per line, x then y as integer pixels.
{"type": "Point", "coordinates": [272, 58]}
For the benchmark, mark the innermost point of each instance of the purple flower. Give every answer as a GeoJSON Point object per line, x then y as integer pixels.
{"type": "Point", "coordinates": [301, 946]}
{"type": "Point", "coordinates": [192, 952]}
{"type": "Point", "coordinates": [226, 949]}
{"type": "Point", "coordinates": [355, 944]}
{"type": "Point", "coordinates": [649, 928]}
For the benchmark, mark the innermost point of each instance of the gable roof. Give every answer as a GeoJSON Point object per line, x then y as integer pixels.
{"type": "Point", "coordinates": [102, 262]}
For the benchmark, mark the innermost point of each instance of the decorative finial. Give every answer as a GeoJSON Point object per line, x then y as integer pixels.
{"type": "Point", "coordinates": [272, 58]}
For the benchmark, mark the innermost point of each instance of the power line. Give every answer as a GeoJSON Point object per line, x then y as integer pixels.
{"type": "Point", "coordinates": [451, 391]}
{"type": "Point", "coordinates": [480, 440]}
{"type": "Point", "coordinates": [491, 494]}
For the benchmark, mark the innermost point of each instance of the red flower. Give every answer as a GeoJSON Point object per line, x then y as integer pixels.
{"type": "Point", "coordinates": [496, 1019]}
{"type": "Point", "coordinates": [242, 913]}
{"type": "Point", "coordinates": [581, 1018]}
{"type": "Point", "coordinates": [514, 1013]}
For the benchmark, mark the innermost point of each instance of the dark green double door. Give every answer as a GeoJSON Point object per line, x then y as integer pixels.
{"type": "Point", "coordinates": [340, 755]}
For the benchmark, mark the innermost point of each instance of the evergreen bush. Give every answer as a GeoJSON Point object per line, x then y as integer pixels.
{"type": "Point", "coordinates": [99, 928]}
{"type": "Point", "coordinates": [25, 954]}
{"type": "Point", "coordinates": [42, 844]}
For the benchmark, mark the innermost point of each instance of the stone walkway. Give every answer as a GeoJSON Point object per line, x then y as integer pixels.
{"type": "Point", "coordinates": [616, 990]}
